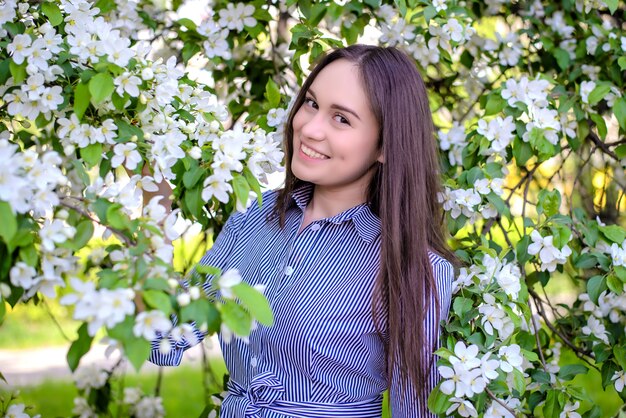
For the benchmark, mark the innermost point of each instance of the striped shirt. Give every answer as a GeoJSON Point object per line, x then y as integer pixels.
{"type": "Point", "coordinates": [323, 356]}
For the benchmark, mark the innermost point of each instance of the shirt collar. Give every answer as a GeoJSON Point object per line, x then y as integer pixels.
{"type": "Point", "coordinates": [367, 224]}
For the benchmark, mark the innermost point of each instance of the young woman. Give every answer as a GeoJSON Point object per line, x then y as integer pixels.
{"type": "Point", "coordinates": [352, 251]}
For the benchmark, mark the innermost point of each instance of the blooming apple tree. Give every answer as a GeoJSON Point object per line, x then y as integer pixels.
{"type": "Point", "coordinates": [103, 101]}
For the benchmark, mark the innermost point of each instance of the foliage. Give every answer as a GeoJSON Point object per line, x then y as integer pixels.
{"type": "Point", "coordinates": [528, 97]}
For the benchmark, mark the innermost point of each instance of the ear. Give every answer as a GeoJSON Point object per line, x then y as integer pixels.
{"type": "Point", "coordinates": [381, 158]}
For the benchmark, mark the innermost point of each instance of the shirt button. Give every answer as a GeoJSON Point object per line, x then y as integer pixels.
{"type": "Point", "coordinates": [315, 227]}
{"type": "Point", "coordinates": [253, 362]}
{"type": "Point", "coordinates": [288, 271]}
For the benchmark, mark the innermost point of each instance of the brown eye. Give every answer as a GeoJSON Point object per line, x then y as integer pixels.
{"type": "Point", "coordinates": [310, 102]}
{"type": "Point", "coordinates": [339, 118]}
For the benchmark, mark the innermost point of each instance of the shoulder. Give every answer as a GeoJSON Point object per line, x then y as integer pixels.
{"type": "Point", "coordinates": [254, 211]}
{"type": "Point", "coordinates": [443, 270]}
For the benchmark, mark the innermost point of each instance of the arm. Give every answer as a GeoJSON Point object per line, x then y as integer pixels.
{"type": "Point", "coordinates": [217, 255]}
{"type": "Point", "coordinates": [404, 405]}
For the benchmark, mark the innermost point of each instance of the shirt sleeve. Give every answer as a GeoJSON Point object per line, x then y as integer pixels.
{"type": "Point", "coordinates": [216, 256]}
{"type": "Point", "coordinates": [403, 403]}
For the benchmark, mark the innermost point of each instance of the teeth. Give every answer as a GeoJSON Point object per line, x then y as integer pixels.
{"type": "Point", "coordinates": [310, 153]}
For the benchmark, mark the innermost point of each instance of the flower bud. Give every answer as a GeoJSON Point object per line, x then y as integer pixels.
{"type": "Point", "coordinates": [195, 153]}
{"type": "Point", "coordinates": [194, 292]}
{"type": "Point", "coordinates": [5, 291]}
{"type": "Point", "coordinates": [183, 299]}
{"type": "Point", "coordinates": [165, 347]}
{"type": "Point", "coordinates": [147, 73]}
{"type": "Point", "coordinates": [173, 283]}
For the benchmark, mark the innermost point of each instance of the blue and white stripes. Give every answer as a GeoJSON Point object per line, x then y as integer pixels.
{"type": "Point", "coordinates": [323, 352]}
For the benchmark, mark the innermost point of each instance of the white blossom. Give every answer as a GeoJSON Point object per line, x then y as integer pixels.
{"type": "Point", "coordinates": [90, 377]}
{"type": "Point", "coordinates": [596, 328]}
{"type": "Point", "coordinates": [236, 16]}
{"type": "Point", "coordinates": [148, 323]}
{"type": "Point", "coordinates": [619, 378]}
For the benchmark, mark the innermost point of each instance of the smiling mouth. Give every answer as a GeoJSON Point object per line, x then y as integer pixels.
{"type": "Point", "coordinates": [312, 153]}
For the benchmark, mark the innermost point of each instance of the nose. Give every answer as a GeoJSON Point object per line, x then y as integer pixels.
{"type": "Point", "coordinates": [314, 127]}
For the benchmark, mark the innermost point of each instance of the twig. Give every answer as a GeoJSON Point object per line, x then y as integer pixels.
{"type": "Point", "coordinates": [129, 242]}
{"type": "Point", "coordinates": [529, 179]}
{"type": "Point", "coordinates": [505, 406]}
{"type": "Point", "coordinates": [56, 322]}
{"type": "Point", "coordinates": [534, 325]}
{"type": "Point", "coordinates": [600, 144]}
{"type": "Point", "coordinates": [157, 388]}
{"type": "Point", "coordinates": [566, 340]}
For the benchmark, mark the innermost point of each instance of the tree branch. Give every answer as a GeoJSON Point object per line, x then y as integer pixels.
{"type": "Point", "coordinates": [129, 242]}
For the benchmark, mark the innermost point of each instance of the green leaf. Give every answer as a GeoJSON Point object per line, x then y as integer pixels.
{"type": "Point", "coordinates": [255, 303]}
{"type": "Point", "coordinates": [619, 108]}
{"type": "Point", "coordinates": [600, 125]}
{"type": "Point", "coordinates": [615, 284]}
{"type": "Point", "coordinates": [18, 72]}
{"type": "Point", "coordinates": [92, 154]}
{"type": "Point", "coordinates": [137, 351]}
{"type": "Point", "coordinates": [79, 348]}
{"type": "Point", "coordinates": [5, 70]}
{"type": "Point", "coordinates": [562, 58]}
{"type": "Point", "coordinates": [519, 382]}
{"type": "Point", "coordinates": [620, 272]}
{"type": "Point", "coordinates": [204, 269]}
{"type": "Point", "coordinates": [3, 311]}
{"type": "Point", "coordinates": [81, 99]}
{"type": "Point", "coordinates": [462, 305]}
{"type": "Point", "coordinates": [549, 202]}
{"type": "Point", "coordinates": [8, 222]}
{"type": "Point", "coordinates": [495, 104]}
{"type": "Point", "coordinates": [254, 185]}
{"type": "Point", "coordinates": [620, 355]}
{"type": "Point", "coordinates": [191, 177]}
{"type": "Point", "coordinates": [241, 188]}
{"type": "Point", "coordinates": [598, 93]}
{"type": "Point", "coordinates": [189, 50]}
{"type": "Point", "coordinates": [438, 402]}
{"type": "Point", "coordinates": [613, 233]}
{"type": "Point", "coordinates": [608, 370]}
{"type": "Point", "coordinates": [30, 255]}
{"type": "Point", "coordinates": [53, 13]}
{"type": "Point", "coordinates": [622, 63]}
{"type": "Point", "coordinates": [194, 202]}
{"type": "Point", "coordinates": [116, 217]}
{"type": "Point", "coordinates": [84, 232]}
{"type": "Point", "coordinates": [125, 131]}
{"type": "Point", "coordinates": [272, 93]}
{"type": "Point", "coordinates": [595, 286]}
{"type": "Point", "coordinates": [158, 300]}
{"type": "Point", "coordinates": [105, 6]}
{"type": "Point", "coordinates": [569, 371]}
{"type": "Point", "coordinates": [156, 284]}
{"type": "Point", "coordinates": [236, 318]}
{"type": "Point", "coordinates": [522, 152]}
{"type": "Point", "coordinates": [80, 171]}
{"type": "Point", "coordinates": [101, 86]}
{"type": "Point", "coordinates": [612, 5]}
{"type": "Point", "coordinates": [552, 408]}
{"type": "Point", "coordinates": [521, 249]}
{"type": "Point", "coordinates": [197, 310]}
{"type": "Point", "coordinates": [188, 23]}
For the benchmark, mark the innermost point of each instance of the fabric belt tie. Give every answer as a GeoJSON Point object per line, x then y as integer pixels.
{"type": "Point", "coordinates": [265, 389]}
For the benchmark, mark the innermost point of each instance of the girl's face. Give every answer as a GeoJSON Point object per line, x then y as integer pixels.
{"type": "Point", "coordinates": [335, 133]}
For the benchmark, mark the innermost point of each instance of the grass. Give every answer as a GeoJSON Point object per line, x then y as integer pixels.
{"type": "Point", "coordinates": [30, 326]}
{"type": "Point", "coordinates": [182, 391]}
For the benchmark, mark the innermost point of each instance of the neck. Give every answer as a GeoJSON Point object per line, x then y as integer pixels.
{"type": "Point", "coordinates": [330, 202]}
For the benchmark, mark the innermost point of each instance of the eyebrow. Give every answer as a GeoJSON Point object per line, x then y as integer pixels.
{"type": "Point", "coordinates": [337, 106]}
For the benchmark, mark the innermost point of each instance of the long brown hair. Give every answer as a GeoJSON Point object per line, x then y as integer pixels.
{"type": "Point", "coordinates": [403, 193]}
